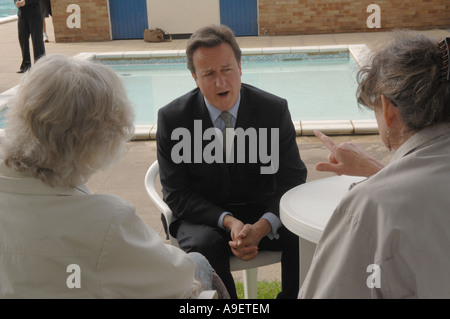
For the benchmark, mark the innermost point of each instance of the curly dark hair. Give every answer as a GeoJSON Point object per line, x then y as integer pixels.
{"type": "Point", "coordinates": [407, 71]}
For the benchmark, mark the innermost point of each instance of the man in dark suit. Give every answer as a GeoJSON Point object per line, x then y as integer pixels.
{"type": "Point", "coordinates": [30, 22]}
{"type": "Point", "coordinates": [224, 205]}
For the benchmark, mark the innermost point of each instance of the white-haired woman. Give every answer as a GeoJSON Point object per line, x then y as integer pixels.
{"type": "Point", "coordinates": [69, 119]}
{"type": "Point", "coordinates": [389, 236]}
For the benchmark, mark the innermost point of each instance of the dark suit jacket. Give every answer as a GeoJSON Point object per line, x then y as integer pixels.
{"type": "Point", "coordinates": [201, 192]}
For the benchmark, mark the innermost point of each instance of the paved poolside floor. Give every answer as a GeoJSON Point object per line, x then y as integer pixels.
{"type": "Point", "coordinates": [126, 179]}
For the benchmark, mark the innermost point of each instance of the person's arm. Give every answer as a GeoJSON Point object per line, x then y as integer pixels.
{"type": "Point", "coordinates": [28, 2]}
{"type": "Point", "coordinates": [246, 238]}
{"type": "Point", "coordinates": [292, 171]}
{"type": "Point", "coordinates": [135, 263]}
{"type": "Point", "coordinates": [347, 159]}
{"type": "Point", "coordinates": [22, 3]}
{"type": "Point", "coordinates": [179, 192]}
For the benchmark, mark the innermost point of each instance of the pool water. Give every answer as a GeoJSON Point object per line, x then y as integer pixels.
{"type": "Point", "coordinates": [322, 88]}
{"type": "Point", "coordinates": [316, 86]}
{"type": "Point", "coordinates": [7, 8]}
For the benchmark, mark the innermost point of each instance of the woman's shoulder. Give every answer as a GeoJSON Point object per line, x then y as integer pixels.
{"type": "Point", "coordinates": [109, 203]}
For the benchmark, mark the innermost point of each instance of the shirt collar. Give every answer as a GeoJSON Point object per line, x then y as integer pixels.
{"type": "Point", "coordinates": [214, 112]}
{"type": "Point", "coordinates": [420, 138]}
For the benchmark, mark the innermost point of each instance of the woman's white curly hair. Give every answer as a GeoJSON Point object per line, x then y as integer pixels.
{"type": "Point", "coordinates": [68, 119]}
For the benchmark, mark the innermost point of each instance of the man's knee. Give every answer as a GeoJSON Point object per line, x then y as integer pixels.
{"type": "Point", "coordinates": [204, 239]}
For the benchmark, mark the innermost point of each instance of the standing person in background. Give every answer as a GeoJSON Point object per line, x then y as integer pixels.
{"type": "Point", "coordinates": [46, 7]}
{"type": "Point", "coordinates": [30, 23]}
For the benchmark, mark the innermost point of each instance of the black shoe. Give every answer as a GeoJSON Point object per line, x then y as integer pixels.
{"type": "Point", "coordinates": [23, 70]}
{"type": "Point", "coordinates": [24, 67]}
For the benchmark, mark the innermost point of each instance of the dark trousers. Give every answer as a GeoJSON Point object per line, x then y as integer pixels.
{"type": "Point", "coordinates": [26, 27]}
{"type": "Point", "coordinates": [212, 242]}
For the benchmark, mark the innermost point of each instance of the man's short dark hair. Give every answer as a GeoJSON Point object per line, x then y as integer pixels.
{"type": "Point", "coordinates": [209, 37]}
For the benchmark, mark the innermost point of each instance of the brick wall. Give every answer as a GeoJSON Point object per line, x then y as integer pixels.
{"type": "Point", "coordinates": [93, 21]}
{"type": "Point", "coordinates": [289, 17]}
{"type": "Point", "coordinates": [276, 17]}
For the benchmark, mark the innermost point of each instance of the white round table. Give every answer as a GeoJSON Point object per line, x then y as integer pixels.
{"type": "Point", "coordinates": [306, 209]}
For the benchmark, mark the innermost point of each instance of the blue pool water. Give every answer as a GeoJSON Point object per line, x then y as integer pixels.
{"type": "Point", "coordinates": [316, 87]}
{"type": "Point", "coordinates": [7, 8]}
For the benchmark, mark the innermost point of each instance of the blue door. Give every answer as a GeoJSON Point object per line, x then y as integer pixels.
{"type": "Point", "coordinates": [240, 15]}
{"type": "Point", "coordinates": [128, 19]}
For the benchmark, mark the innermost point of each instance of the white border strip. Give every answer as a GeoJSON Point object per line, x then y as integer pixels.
{"type": "Point", "coordinates": [8, 19]}
{"type": "Point", "coordinates": [360, 53]}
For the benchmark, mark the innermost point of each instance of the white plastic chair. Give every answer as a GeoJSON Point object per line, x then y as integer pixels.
{"type": "Point", "coordinates": [208, 294]}
{"type": "Point", "coordinates": [250, 268]}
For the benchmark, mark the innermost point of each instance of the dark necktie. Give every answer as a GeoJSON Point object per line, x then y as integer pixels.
{"type": "Point", "coordinates": [227, 134]}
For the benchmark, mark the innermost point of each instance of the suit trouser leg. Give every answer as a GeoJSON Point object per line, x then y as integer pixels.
{"type": "Point", "coordinates": [24, 41]}
{"type": "Point", "coordinates": [36, 24]}
{"type": "Point", "coordinates": [211, 242]}
{"type": "Point", "coordinates": [288, 244]}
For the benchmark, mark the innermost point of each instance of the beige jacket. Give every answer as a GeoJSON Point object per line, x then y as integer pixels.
{"type": "Point", "coordinates": [69, 243]}
{"type": "Point", "coordinates": [390, 235]}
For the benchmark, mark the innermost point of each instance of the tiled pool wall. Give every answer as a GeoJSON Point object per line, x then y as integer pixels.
{"type": "Point", "coordinates": [148, 60]}
{"type": "Point", "coordinates": [303, 128]}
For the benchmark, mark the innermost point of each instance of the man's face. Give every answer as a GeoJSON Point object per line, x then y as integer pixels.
{"type": "Point", "coordinates": [218, 75]}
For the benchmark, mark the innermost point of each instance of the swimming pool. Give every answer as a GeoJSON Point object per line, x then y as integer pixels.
{"type": "Point", "coordinates": [318, 82]}
{"type": "Point", "coordinates": [317, 86]}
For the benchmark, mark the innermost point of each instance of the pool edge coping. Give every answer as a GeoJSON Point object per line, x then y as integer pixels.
{"type": "Point", "coordinates": [302, 128]}
{"type": "Point", "coordinates": [359, 52]}
{"type": "Point", "coordinates": [8, 19]}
